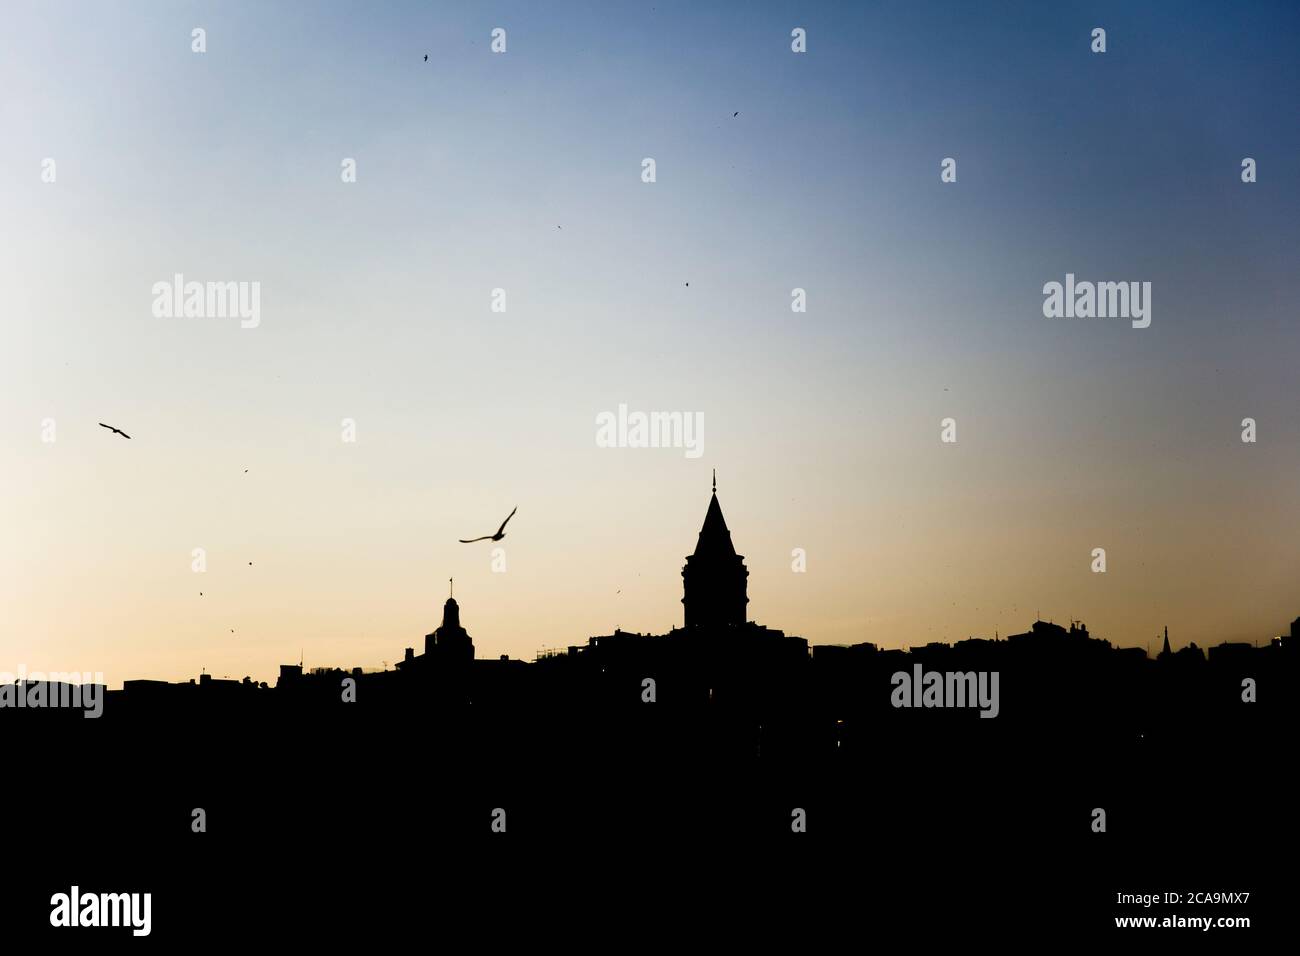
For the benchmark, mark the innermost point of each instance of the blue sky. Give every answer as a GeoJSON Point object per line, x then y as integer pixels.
{"type": "Point", "coordinates": [522, 171]}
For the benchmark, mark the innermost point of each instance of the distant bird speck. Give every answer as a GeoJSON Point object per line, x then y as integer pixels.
{"type": "Point", "coordinates": [501, 531]}
{"type": "Point", "coordinates": [112, 429]}
{"type": "Point", "coordinates": [735, 114]}
{"type": "Point", "coordinates": [426, 58]}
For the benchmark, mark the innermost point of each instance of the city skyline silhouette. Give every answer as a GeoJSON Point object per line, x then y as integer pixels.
{"type": "Point", "coordinates": [718, 655]}
{"type": "Point", "coordinates": [633, 754]}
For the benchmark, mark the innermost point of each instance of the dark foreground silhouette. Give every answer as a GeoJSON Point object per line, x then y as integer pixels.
{"type": "Point", "coordinates": [722, 772]}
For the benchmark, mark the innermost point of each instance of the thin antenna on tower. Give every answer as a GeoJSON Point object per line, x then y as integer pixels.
{"type": "Point", "coordinates": [452, 582]}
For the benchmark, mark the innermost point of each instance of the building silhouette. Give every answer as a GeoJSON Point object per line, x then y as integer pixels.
{"type": "Point", "coordinates": [714, 577]}
{"type": "Point", "coordinates": [448, 645]}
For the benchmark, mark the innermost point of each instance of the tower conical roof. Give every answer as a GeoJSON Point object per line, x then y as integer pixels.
{"type": "Point", "coordinates": [715, 539]}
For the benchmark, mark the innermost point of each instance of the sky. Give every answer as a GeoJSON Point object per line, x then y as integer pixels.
{"type": "Point", "coordinates": [523, 171]}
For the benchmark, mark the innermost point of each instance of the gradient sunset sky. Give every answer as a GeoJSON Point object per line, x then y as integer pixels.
{"type": "Point", "coordinates": [523, 171]}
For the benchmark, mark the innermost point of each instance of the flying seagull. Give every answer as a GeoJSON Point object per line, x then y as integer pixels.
{"type": "Point", "coordinates": [735, 114]}
{"type": "Point", "coordinates": [501, 531]}
{"type": "Point", "coordinates": [426, 58]}
{"type": "Point", "coordinates": [112, 429]}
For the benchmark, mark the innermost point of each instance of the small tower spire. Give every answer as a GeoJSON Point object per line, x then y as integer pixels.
{"type": "Point", "coordinates": [715, 481]}
{"type": "Point", "coordinates": [452, 583]}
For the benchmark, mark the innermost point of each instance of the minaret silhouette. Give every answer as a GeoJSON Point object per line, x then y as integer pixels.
{"type": "Point", "coordinates": [1165, 651]}
{"type": "Point", "coordinates": [714, 577]}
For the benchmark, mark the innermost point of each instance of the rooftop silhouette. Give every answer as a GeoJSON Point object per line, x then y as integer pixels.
{"type": "Point", "coordinates": [805, 699]}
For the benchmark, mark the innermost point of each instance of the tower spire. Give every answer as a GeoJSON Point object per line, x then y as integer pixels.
{"type": "Point", "coordinates": [452, 583]}
{"type": "Point", "coordinates": [715, 481]}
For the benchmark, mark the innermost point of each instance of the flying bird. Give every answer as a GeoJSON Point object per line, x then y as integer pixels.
{"type": "Point", "coordinates": [112, 429]}
{"type": "Point", "coordinates": [426, 58]}
{"type": "Point", "coordinates": [501, 531]}
{"type": "Point", "coordinates": [735, 114]}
